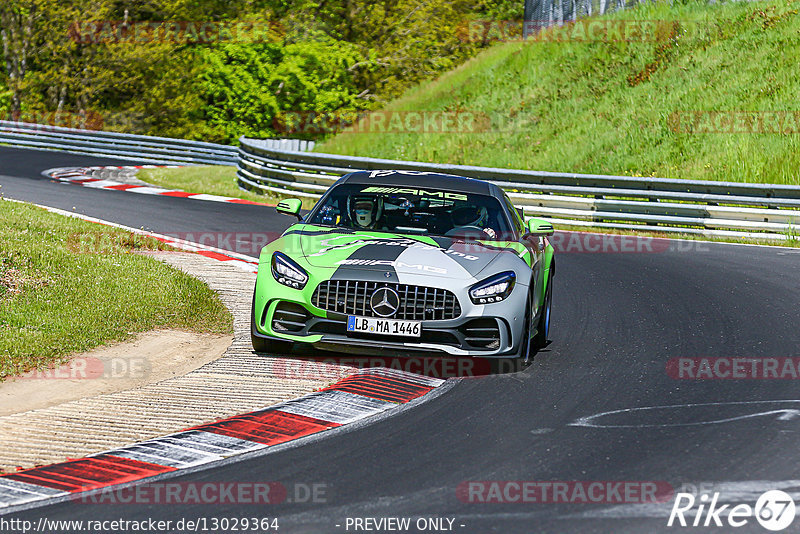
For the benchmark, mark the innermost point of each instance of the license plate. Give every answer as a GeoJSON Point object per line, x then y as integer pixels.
{"type": "Point", "coordinates": [387, 327]}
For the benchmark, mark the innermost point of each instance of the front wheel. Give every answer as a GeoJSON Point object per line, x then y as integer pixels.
{"type": "Point", "coordinates": [270, 346]}
{"type": "Point", "coordinates": [543, 325]}
{"type": "Point", "coordinates": [525, 354]}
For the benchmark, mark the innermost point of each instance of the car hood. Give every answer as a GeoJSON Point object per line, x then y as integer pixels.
{"type": "Point", "coordinates": [359, 253]}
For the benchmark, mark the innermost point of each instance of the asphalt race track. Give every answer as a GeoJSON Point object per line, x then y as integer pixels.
{"type": "Point", "coordinates": [20, 179]}
{"type": "Point", "coordinates": [618, 319]}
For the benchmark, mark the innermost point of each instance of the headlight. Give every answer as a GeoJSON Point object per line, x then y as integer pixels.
{"type": "Point", "coordinates": [288, 272]}
{"type": "Point", "coordinates": [493, 289]}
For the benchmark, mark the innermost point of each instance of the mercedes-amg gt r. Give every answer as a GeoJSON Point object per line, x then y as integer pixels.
{"type": "Point", "coordinates": [408, 263]}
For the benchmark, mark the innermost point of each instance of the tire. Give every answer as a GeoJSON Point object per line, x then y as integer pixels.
{"type": "Point", "coordinates": [525, 351]}
{"type": "Point", "coordinates": [522, 358]}
{"type": "Point", "coordinates": [543, 325]}
{"type": "Point", "coordinates": [260, 344]}
{"type": "Point", "coordinates": [270, 346]}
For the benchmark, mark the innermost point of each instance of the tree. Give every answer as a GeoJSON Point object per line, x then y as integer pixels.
{"type": "Point", "coordinates": [17, 34]}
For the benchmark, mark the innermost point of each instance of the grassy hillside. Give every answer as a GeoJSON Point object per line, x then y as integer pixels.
{"type": "Point", "coordinates": [611, 107]}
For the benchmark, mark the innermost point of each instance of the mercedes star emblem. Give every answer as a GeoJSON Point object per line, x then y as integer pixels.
{"type": "Point", "coordinates": [385, 301]}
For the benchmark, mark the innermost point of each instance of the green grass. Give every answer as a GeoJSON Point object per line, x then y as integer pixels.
{"type": "Point", "coordinates": [609, 107]}
{"type": "Point", "coordinates": [57, 299]}
{"type": "Point", "coordinates": [208, 179]}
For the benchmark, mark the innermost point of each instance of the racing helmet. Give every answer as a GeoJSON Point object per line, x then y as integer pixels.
{"type": "Point", "coordinates": [365, 210]}
{"type": "Point", "coordinates": [470, 215]}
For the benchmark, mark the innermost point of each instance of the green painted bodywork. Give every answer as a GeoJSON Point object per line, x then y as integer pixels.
{"type": "Point", "coordinates": [319, 255]}
{"type": "Point", "coordinates": [539, 227]}
{"type": "Point", "coordinates": [290, 206]}
{"type": "Point", "coordinates": [268, 292]}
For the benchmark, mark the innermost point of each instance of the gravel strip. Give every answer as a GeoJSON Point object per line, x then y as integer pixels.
{"type": "Point", "coordinates": [239, 381]}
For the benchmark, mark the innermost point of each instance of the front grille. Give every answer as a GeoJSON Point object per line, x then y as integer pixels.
{"type": "Point", "coordinates": [289, 317]}
{"type": "Point", "coordinates": [417, 303]}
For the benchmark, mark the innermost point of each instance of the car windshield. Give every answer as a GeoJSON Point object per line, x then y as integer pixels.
{"type": "Point", "coordinates": [410, 210]}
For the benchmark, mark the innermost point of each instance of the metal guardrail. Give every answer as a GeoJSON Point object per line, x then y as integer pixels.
{"type": "Point", "coordinates": [710, 208]}
{"type": "Point", "coordinates": [769, 211]}
{"type": "Point", "coordinates": [143, 148]}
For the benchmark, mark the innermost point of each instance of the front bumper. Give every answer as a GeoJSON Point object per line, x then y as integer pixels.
{"type": "Point", "coordinates": [491, 330]}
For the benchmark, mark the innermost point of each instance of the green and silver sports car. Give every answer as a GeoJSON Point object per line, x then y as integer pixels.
{"type": "Point", "coordinates": [407, 263]}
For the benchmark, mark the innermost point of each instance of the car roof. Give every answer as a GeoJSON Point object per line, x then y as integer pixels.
{"type": "Point", "coordinates": [427, 180]}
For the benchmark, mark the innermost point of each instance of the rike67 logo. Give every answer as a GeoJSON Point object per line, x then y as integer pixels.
{"type": "Point", "coordinates": [774, 510]}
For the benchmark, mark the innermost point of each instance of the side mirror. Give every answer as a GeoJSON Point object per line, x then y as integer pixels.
{"type": "Point", "coordinates": [539, 227]}
{"type": "Point", "coordinates": [290, 206]}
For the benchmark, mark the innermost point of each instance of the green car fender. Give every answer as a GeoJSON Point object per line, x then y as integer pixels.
{"type": "Point", "coordinates": [529, 257]}
{"type": "Point", "coordinates": [268, 292]}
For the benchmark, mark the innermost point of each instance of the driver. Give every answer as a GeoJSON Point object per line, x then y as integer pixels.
{"type": "Point", "coordinates": [365, 212]}
{"type": "Point", "coordinates": [472, 216]}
